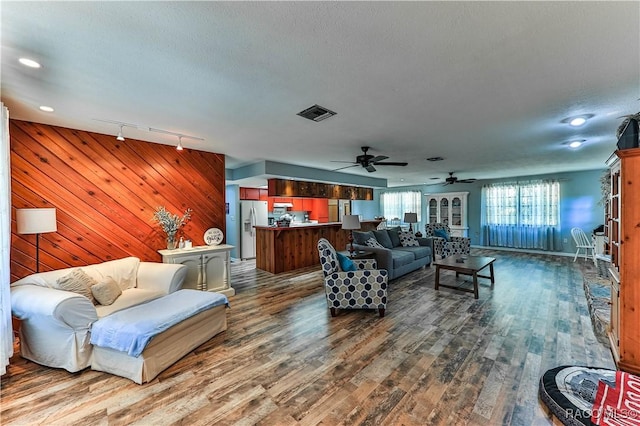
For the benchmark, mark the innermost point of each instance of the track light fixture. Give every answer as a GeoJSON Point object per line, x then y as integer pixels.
{"type": "Point", "coordinates": [120, 137]}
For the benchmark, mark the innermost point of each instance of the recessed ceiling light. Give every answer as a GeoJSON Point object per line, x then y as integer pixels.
{"type": "Point", "coordinates": [46, 108]}
{"type": "Point", "coordinates": [435, 159]}
{"type": "Point", "coordinates": [575, 144]}
{"type": "Point", "coordinates": [29, 63]}
{"type": "Point", "coordinates": [577, 120]}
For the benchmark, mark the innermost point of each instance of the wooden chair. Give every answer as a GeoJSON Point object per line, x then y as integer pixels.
{"type": "Point", "coordinates": [583, 243]}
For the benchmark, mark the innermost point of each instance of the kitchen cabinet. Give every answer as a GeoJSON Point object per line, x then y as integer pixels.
{"type": "Point", "coordinates": [320, 210]}
{"type": "Point", "coordinates": [624, 244]}
{"type": "Point", "coordinates": [307, 204]}
{"type": "Point", "coordinates": [249, 193]}
{"type": "Point", "coordinates": [291, 188]}
{"type": "Point", "coordinates": [297, 205]}
{"type": "Point", "coordinates": [449, 208]}
{"type": "Point", "coordinates": [208, 267]}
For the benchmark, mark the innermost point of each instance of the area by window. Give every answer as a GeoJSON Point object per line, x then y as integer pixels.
{"type": "Point", "coordinates": [396, 204]}
{"type": "Point", "coordinates": [521, 215]}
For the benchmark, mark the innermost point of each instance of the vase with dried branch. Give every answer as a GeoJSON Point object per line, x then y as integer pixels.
{"type": "Point", "coordinates": [171, 223]}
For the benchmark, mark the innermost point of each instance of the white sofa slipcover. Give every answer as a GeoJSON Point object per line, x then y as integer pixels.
{"type": "Point", "coordinates": [56, 323]}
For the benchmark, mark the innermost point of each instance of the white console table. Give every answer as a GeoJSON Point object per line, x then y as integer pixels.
{"type": "Point", "coordinates": [208, 267]}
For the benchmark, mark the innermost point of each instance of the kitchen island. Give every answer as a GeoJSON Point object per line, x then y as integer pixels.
{"type": "Point", "coordinates": [282, 249]}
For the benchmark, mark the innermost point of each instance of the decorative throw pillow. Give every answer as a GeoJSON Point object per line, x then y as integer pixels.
{"type": "Point", "coordinates": [372, 242]}
{"type": "Point", "coordinates": [442, 234]}
{"type": "Point", "coordinates": [79, 282]}
{"type": "Point", "coordinates": [106, 291]}
{"type": "Point", "coordinates": [407, 239]}
{"type": "Point", "coordinates": [394, 237]}
{"type": "Point", "coordinates": [361, 237]}
{"type": "Point", "coordinates": [346, 264]}
{"type": "Point", "coordinates": [383, 238]}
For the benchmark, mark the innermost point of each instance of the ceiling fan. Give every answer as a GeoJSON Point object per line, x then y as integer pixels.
{"type": "Point", "coordinates": [368, 161]}
{"type": "Point", "coordinates": [452, 179]}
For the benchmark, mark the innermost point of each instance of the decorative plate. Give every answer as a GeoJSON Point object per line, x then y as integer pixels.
{"type": "Point", "coordinates": [213, 236]}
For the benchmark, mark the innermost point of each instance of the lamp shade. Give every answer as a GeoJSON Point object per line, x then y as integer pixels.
{"type": "Point", "coordinates": [410, 218]}
{"type": "Point", "coordinates": [36, 221]}
{"type": "Point", "coordinates": [350, 221]}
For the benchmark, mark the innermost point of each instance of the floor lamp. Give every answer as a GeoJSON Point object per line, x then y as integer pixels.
{"type": "Point", "coordinates": [36, 221]}
{"type": "Point", "coordinates": [351, 222]}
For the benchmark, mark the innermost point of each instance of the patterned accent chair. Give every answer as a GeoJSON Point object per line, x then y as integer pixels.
{"type": "Point", "coordinates": [365, 288]}
{"type": "Point", "coordinates": [444, 248]}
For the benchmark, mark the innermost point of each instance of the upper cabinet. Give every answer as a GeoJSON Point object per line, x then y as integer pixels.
{"type": "Point", "coordinates": [449, 208]}
{"type": "Point", "coordinates": [253, 194]}
{"type": "Point", "coordinates": [293, 188]}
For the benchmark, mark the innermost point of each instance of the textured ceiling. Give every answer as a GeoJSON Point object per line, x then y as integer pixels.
{"type": "Point", "coordinates": [485, 85]}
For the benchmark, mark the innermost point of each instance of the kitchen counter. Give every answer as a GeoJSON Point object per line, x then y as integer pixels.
{"type": "Point", "coordinates": [282, 249]}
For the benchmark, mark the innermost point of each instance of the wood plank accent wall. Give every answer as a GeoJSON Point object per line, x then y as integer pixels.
{"type": "Point", "coordinates": [105, 192]}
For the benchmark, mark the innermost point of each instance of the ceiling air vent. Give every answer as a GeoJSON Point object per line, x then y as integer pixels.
{"type": "Point", "coordinates": [316, 113]}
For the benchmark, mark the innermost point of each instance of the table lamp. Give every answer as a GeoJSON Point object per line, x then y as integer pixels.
{"type": "Point", "coordinates": [351, 222]}
{"type": "Point", "coordinates": [410, 218]}
{"type": "Point", "coordinates": [36, 221]}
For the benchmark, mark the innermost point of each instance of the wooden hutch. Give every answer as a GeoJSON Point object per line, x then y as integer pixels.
{"type": "Point", "coordinates": [623, 232]}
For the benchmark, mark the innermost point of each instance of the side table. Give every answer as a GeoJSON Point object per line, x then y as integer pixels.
{"type": "Point", "coordinates": [359, 254]}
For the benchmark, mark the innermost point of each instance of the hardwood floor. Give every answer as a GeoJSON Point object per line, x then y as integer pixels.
{"type": "Point", "coordinates": [435, 358]}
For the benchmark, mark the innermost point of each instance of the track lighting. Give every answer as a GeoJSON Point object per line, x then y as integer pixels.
{"type": "Point", "coordinates": [120, 137]}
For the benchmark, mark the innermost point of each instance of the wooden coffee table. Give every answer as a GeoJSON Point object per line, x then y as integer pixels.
{"type": "Point", "coordinates": [470, 265]}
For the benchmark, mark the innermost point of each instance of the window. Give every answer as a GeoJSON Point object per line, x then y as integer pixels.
{"type": "Point", "coordinates": [525, 204]}
{"type": "Point", "coordinates": [396, 204]}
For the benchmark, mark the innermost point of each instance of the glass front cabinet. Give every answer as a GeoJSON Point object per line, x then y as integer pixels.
{"type": "Point", "coordinates": [449, 208]}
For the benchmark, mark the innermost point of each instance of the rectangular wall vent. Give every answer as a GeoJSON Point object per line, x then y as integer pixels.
{"type": "Point", "coordinates": [316, 113]}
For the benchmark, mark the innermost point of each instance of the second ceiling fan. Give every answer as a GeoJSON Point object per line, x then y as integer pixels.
{"type": "Point", "coordinates": [452, 179]}
{"type": "Point", "coordinates": [368, 161]}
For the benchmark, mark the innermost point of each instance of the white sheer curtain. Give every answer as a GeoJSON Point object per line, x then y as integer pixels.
{"type": "Point", "coordinates": [396, 204]}
{"type": "Point", "coordinates": [6, 342]}
{"type": "Point", "coordinates": [521, 215]}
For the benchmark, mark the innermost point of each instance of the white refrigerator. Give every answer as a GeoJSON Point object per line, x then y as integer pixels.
{"type": "Point", "coordinates": [252, 213]}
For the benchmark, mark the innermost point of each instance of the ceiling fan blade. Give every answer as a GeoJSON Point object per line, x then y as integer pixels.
{"type": "Point", "coordinates": [466, 180]}
{"type": "Point", "coordinates": [378, 158]}
{"type": "Point", "coordinates": [370, 168]}
{"type": "Point", "coordinates": [345, 167]}
{"type": "Point", "coordinates": [350, 162]}
{"type": "Point", "coordinates": [391, 163]}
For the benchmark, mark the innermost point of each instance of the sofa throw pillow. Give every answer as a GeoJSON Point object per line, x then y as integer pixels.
{"type": "Point", "coordinates": [372, 242]}
{"type": "Point", "coordinates": [361, 237]}
{"type": "Point", "coordinates": [346, 264]}
{"type": "Point", "coordinates": [124, 271]}
{"type": "Point", "coordinates": [106, 291]}
{"type": "Point", "coordinates": [79, 282]}
{"type": "Point", "coordinates": [407, 239]}
{"type": "Point", "coordinates": [394, 237]}
{"type": "Point", "coordinates": [383, 238]}
{"type": "Point", "coordinates": [442, 234]}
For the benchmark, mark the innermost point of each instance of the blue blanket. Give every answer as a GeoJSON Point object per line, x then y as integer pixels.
{"type": "Point", "coordinates": [130, 330]}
